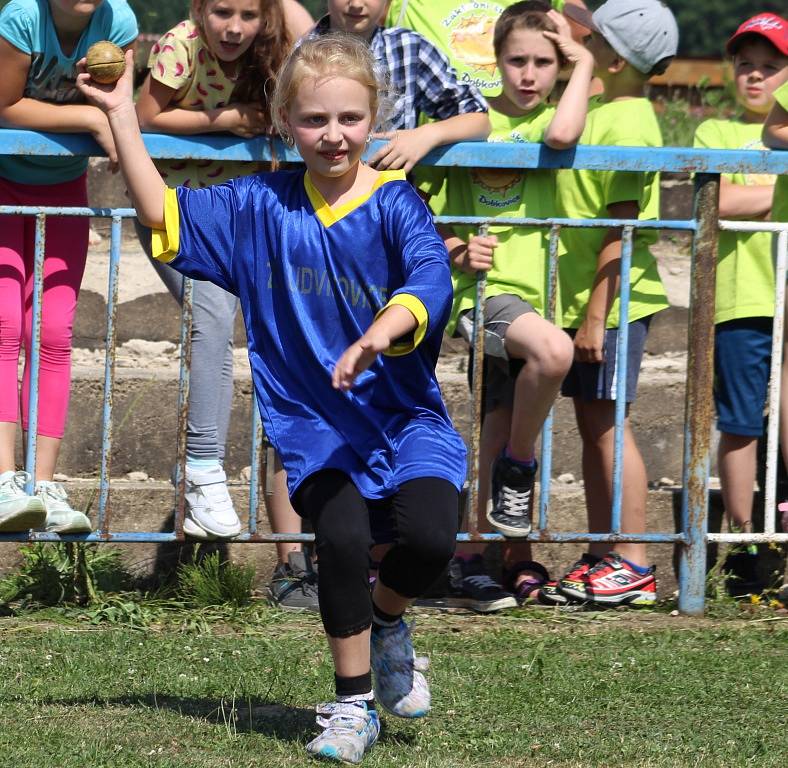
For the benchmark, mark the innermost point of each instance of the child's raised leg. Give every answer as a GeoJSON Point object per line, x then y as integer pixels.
{"type": "Point", "coordinates": [543, 355]}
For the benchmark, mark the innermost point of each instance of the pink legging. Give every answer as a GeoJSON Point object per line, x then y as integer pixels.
{"type": "Point", "coordinates": [64, 264]}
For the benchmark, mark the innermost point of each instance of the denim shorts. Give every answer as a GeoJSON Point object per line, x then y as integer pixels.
{"type": "Point", "coordinates": [598, 381]}
{"type": "Point", "coordinates": [742, 360]}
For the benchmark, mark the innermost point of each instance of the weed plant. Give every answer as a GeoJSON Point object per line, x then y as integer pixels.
{"type": "Point", "coordinates": [209, 581]}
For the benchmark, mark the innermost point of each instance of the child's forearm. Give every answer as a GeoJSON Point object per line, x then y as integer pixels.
{"type": "Point", "coordinates": [740, 201]}
{"type": "Point", "coordinates": [394, 323]}
{"type": "Point", "coordinates": [145, 185]}
{"type": "Point", "coordinates": [472, 126]}
{"type": "Point", "coordinates": [59, 118]}
{"type": "Point", "coordinates": [569, 120]}
{"type": "Point", "coordinates": [606, 280]}
{"type": "Point", "coordinates": [182, 121]}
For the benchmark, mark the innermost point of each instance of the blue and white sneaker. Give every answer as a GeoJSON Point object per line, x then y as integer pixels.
{"type": "Point", "coordinates": [349, 730]}
{"type": "Point", "coordinates": [18, 511]}
{"type": "Point", "coordinates": [61, 517]}
{"type": "Point", "coordinates": [399, 686]}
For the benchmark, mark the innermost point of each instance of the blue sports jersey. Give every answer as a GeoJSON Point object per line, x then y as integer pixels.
{"type": "Point", "coordinates": [311, 279]}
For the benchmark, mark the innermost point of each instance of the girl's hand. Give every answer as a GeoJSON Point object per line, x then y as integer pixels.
{"type": "Point", "coordinates": [572, 51]}
{"type": "Point", "coordinates": [404, 150]}
{"type": "Point", "coordinates": [589, 341]}
{"type": "Point", "coordinates": [115, 97]}
{"type": "Point", "coordinates": [478, 256]}
{"type": "Point", "coordinates": [244, 120]}
{"type": "Point", "coordinates": [357, 358]}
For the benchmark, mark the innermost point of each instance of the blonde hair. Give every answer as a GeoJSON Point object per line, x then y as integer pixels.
{"type": "Point", "coordinates": [328, 55]}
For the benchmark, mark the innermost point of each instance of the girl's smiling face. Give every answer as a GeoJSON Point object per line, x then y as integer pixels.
{"type": "Point", "coordinates": [229, 26]}
{"type": "Point", "coordinates": [330, 118]}
{"type": "Point", "coordinates": [529, 67]}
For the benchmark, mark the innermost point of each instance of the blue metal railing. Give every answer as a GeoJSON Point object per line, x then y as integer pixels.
{"type": "Point", "coordinates": [704, 226]}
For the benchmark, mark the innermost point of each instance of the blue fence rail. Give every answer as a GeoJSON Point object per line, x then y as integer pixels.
{"type": "Point", "coordinates": [704, 226]}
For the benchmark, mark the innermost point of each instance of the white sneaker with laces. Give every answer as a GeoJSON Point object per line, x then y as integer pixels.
{"type": "Point", "coordinates": [60, 516]}
{"type": "Point", "coordinates": [18, 511]}
{"type": "Point", "coordinates": [209, 509]}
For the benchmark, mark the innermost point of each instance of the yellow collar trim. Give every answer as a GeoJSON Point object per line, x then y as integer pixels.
{"type": "Point", "coordinates": [329, 215]}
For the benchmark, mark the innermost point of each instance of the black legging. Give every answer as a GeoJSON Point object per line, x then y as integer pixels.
{"type": "Point", "coordinates": [424, 513]}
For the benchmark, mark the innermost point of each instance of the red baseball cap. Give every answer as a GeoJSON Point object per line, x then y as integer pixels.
{"type": "Point", "coordinates": [769, 25]}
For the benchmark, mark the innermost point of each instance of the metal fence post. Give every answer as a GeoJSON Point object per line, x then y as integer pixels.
{"type": "Point", "coordinates": [698, 403]}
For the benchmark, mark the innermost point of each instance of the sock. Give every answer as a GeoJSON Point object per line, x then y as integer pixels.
{"type": "Point", "coordinates": [529, 462]}
{"type": "Point", "coordinates": [641, 569]}
{"type": "Point", "coordinates": [196, 463]}
{"type": "Point", "coordinates": [351, 690]}
{"type": "Point", "coordinates": [381, 619]}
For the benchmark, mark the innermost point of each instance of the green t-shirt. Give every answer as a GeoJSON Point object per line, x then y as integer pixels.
{"type": "Point", "coordinates": [745, 274]}
{"type": "Point", "coordinates": [520, 259]}
{"type": "Point", "coordinates": [587, 195]}
{"type": "Point", "coordinates": [462, 30]}
{"type": "Point", "coordinates": [780, 204]}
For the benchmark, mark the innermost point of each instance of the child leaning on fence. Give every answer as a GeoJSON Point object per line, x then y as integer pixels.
{"type": "Point", "coordinates": [40, 45]}
{"type": "Point", "coordinates": [630, 41]}
{"type": "Point", "coordinates": [775, 134]}
{"type": "Point", "coordinates": [527, 356]}
{"type": "Point", "coordinates": [344, 372]}
{"type": "Point", "coordinates": [744, 307]}
{"type": "Point", "coordinates": [210, 73]}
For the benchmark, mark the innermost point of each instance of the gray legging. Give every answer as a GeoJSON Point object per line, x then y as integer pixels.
{"type": "Point", "coordinates": [211, 382]}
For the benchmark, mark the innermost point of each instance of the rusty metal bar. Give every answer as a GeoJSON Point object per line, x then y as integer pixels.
{"type": "Point", "coordinates": [698, 403]}
{"type": "Point", "coordinates": [183, 406]}
{"type": "Point", "coordinates": [476, 396]}
{"type": "Point", "coordinates": [255, 469]}
{"type": "Point", "coordinates": [104, 510]}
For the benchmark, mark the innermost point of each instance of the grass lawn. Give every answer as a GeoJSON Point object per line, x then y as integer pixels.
{"type": "Point", "coordinates": [534, 688]}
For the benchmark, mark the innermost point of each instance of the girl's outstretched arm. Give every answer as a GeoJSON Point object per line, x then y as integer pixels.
{"type": "Point", "coordinates": [145, 185]}
{"type": "Point", "coordinates": [567, 124]}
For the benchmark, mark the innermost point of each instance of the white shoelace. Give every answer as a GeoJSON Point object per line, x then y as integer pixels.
{"type": "Point", "coordinates": [515, 503]}
{"type": "Point", "coordinates": [14, 485]}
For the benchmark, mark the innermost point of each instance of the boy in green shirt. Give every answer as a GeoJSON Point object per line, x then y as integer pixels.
{"type": "Point", "coordinates": [630, 40]}
{"type": "Point", "coordinates": [775, 135]}
{"type": "Point", "coordinates": [744, 308]}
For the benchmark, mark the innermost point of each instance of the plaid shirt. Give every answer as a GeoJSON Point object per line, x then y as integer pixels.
{"type": "Point", "coordinates": [420, 76]}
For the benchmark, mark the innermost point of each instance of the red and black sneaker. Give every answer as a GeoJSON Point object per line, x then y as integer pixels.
{"type": "Point", "coordinates": [572, 585]}
{"type": "Point", "coordinates": [612, 581]}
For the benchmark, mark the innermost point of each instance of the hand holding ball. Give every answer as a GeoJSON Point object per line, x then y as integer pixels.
{"type": "Point", "coordinates": [105, 62]}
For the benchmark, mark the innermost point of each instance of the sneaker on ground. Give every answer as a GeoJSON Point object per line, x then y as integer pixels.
{"type": "Point", "coordinates": [18, 511]}
{"type": "Point", "coordinates": [61, 517]}
{"type": "Point", "coordinates": [512, 497]}
{"type": "Point", "coordinates": [572, 584]}
{"type": "Point", "coordinates": [209, 509]}
{"type": "Point", "coordinates": [294, 584]}
{"type": "Point", "coordinates": [549, 594]}
{"type": "Point", "coordinates": [399, 687]}
{"type": "Point", "coordinates": [349, 730]}
{"type": "Point", "coordinates": [612, 581]}
{"type": "Point", "coordinates": [472, 587]}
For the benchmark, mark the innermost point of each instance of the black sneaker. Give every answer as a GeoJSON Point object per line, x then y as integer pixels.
{"type": "Point", "coordinates": [294, 584]}
{"type": "Point", "coordinates": [470, 586]}
{"type": "Point", "coordinates": [512, 497]}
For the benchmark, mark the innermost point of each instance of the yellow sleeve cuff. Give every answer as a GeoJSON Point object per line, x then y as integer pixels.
{"type": "Point", "coordinates": [165, 243]}
{"type": "Point", "coordinates": [415, 306]}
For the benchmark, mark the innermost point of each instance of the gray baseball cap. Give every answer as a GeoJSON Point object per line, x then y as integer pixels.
{"type": "Point", "coordinates": [643, 32]}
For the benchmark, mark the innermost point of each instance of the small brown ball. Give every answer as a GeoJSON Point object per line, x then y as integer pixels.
{"type": "Point", "coordinates": [105, 62]}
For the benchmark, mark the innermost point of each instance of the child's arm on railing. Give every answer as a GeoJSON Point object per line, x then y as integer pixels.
{"type": "Point", "coordinates": [745, 201]}
{"type": "Point", "coordinates": [471, 257]}
{"type": "Point", "coordinates": [156, 114]}
{"type": "Point", "coordinates": [145, 185]}
{"type": "Point", "coordinates": [567, 124]}
{"type": "Point", "coordinates": [19, 111]}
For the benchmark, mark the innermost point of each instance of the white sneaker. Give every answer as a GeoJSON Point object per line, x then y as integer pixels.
{"type": "Point", "coordinates": [209, 509]}
{"type": "Point", "coordinates": [18, 511]}
{"type": "Point", "coordinates": [61, 518]}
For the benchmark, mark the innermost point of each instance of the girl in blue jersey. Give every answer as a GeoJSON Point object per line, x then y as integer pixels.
{"type": "Point", "coordinates": [345, 289]}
